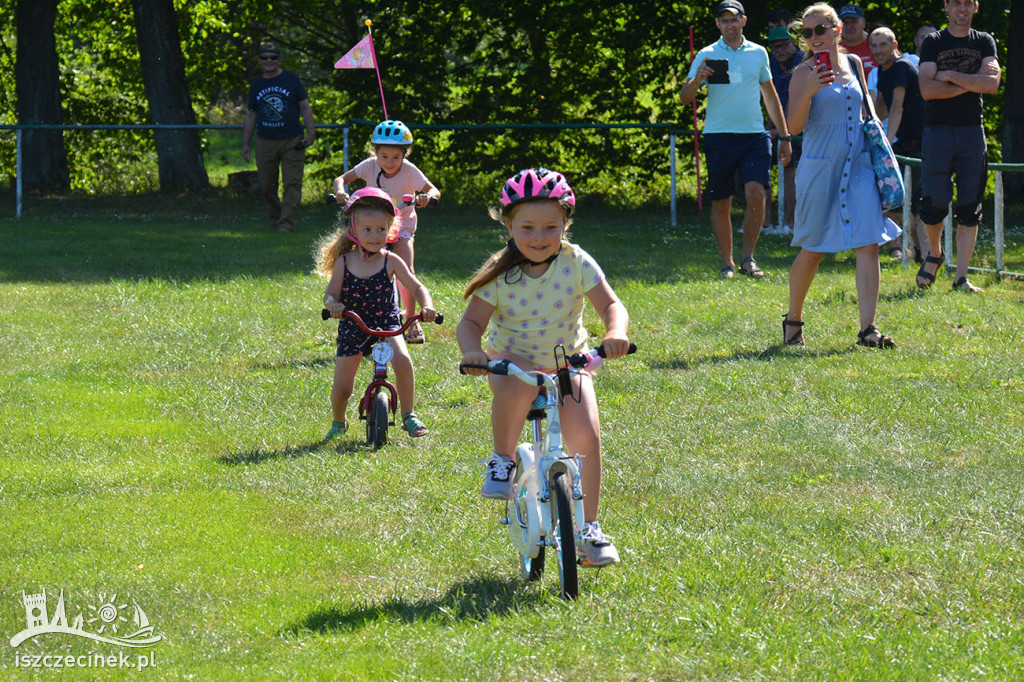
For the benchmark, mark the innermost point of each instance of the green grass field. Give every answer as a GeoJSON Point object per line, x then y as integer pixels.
{"type": "Point", "coordinates": [831, 512]}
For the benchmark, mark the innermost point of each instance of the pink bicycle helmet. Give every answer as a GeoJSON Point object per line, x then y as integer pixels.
{"type": "Point", "coordinates": [376, 197]}
{"type": "Point", "coordinates": [537, 183]}
{"type": "Point", "coordinates": [366, 192]}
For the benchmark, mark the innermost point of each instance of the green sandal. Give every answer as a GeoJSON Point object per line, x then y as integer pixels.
{"type": "Point", "coordinates": [338, 429]}
{"type": "Point", "coordinates": [412, 425]}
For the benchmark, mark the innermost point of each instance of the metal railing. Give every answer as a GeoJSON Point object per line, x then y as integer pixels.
{"type": "Point", "coordinates": [999, 224]}
{"type": "Point", "coordinates": [672, 130]}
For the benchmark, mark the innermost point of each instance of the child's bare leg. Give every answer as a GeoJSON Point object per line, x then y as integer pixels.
{"type": "Point", "coordinates": [344, 383]}
{"type": "Point", "coordinates": [403, 249]}
{"type": "Point", "coordinates": [405, 377]}
{"type": "Point", "coordinates": [509, 405]}
{"type": "Point", "coordinates": [581, 427]}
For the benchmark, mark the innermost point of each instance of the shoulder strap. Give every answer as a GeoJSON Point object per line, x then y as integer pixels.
{"type": "Point", "coordinates": [867, 105]}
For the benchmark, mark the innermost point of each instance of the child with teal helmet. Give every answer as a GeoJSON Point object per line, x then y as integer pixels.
{"type": "Point", "coordinates": [389, 169]}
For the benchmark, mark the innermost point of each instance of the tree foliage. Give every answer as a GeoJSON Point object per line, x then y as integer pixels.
{"type": "Point", "coordinates": [467, 62]}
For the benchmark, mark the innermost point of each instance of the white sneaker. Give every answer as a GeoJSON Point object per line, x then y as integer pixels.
{"type": "Point", "coordinates": [594, 548]}
{"type": "Point", "coordinates": [498, 477]}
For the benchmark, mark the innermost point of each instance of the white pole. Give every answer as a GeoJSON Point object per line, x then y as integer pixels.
{"type": "Point", "coordinates": [672, 176]}
{"type": "Point", "coordinates": [17, 170]}
{"type": "Point", "coordinates": [999, 222]}
{"type": "Point", "coordinates": [344, 163]}
{"type": "Point", "coordinates": [948, 238]}
{"type": "Point", "coordinates": [781, 213]}
{"type": "Point", "coordinates": [908, 218]}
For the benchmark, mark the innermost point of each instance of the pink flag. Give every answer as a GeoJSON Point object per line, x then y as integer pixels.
{"type": "Point", "coordinates": [359, 57]}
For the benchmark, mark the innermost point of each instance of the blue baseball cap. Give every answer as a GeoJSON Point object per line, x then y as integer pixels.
{"type": "Point", "coordinates": [851, 10]}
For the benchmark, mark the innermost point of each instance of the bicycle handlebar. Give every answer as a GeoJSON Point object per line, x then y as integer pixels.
{"type": "Point", "coordinates": [407, 200]}
{"type": "Point", "coordinates": [326, 315]}
{"type": "Point", "coordinates": [506, 368]}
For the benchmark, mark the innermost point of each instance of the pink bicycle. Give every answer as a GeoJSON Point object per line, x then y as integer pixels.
{"type": "Point", "coordinates": [379, 403]}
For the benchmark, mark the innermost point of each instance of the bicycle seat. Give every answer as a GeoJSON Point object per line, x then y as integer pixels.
{"type": "Point", "coordinates": [537, 411]}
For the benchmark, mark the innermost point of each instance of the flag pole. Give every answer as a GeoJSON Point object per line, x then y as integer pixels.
{"type": "Point", "coordinates": [376, 68]}
{"type": "Point", "coordinates": [696, 144]}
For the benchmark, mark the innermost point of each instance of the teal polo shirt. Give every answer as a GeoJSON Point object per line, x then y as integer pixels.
{"type": "Point", "coordinates": [735, 107]}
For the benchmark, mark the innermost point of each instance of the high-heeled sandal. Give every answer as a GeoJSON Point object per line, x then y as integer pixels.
{"type": "Point", "coordinates": [796, 339]}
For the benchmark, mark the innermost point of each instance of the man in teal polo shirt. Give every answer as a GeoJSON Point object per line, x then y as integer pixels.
{"type": "Point", "coordinates": [734, 135]}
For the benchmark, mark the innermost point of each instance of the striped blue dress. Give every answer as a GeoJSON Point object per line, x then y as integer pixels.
{"type": "Point", "coordinates": [837, 204]}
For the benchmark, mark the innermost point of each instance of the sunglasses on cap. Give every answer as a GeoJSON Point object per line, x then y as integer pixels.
{"type": "Point", "coordinates": [818, 30]}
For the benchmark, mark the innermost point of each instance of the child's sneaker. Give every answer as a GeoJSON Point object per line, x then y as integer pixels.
{"type": "Point", "coordinates": [594, 548]}
{"type": "Point", "coordinates": [498, 477]}
{"type": "Point", "coordinates": [338, 429]}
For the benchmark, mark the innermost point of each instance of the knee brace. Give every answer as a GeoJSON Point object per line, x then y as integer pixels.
{"type": "Point", "coordinates": [968, 215]}
{"type": "Point", "coordinates": [931, 214]}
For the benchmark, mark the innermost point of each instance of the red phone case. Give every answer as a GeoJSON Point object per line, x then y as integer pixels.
{"type": "Point", "coordinates": [825, 58]}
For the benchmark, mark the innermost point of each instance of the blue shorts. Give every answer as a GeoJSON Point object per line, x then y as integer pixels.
{"type": "Point", "coordinates": [726, 153]}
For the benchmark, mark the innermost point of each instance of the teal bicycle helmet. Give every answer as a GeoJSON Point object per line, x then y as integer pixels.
{"type": "Point", "coordinates": [392, 132]}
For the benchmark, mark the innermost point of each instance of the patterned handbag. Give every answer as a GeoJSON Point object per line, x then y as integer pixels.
{"type": "Point", "coordinates": [887, 172]}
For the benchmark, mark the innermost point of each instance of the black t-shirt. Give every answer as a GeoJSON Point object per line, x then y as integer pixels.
{"type": "Point", "coordinates": [276, 103]}
{"type": "Point", "coordinates": [903, 74]}
{"type": "Point", "coordinates": [963, 55]}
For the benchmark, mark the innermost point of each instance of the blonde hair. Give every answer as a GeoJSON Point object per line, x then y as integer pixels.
{"type": "Point", "coordinates": [817, 8]}
{"type": "Point", "coordinates": [333, 244]}
{"type": "Point", "coordinates": [509, 257]}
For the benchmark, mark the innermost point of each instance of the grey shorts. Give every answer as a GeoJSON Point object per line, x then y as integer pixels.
{"type": "Point", "coordinates": [949, 150]}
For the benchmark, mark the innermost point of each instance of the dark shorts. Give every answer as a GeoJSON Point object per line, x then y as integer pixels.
{"type": "Point", "coordinates": [354, 341]}
{"type": "Point", "coordinates": [949, 150]}
{"type": "Point", "coordinates": [912, 149]}
{"type": "Point", "coordinates": [727, 153]}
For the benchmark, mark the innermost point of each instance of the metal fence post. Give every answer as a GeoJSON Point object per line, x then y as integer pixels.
{"type": "Point", "coordinates": [17, 170]}
{"type": "Point", "coordinates": [781, 212]}
{"type": "Point", "coordinates": [672, 175]}
{"type": "Point", "coordinates": [999, 222]}
{"type": "Point", "coordinates": [344, 163]}
{"type": "Point", "coordinates": [948, 228]}
{"type": "Point", "coordinates": [908, 218]}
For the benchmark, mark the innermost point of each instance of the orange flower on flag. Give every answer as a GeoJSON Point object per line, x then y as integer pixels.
{"type": "Point", "coordinates": [359, 57]}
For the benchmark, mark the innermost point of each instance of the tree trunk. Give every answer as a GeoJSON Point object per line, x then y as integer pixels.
{"type": "Point", "coordinates": [37, 85]}
{"type": "Point", "coordinates": [163, 71]}
{"type": "Point", "coordinates": [1013, 101]}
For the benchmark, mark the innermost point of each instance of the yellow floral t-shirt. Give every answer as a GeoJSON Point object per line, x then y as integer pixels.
{"type": "Point", "coordinates": [532, 316]}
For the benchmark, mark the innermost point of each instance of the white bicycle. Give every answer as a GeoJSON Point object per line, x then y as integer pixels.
{"type": "Point", "coordinates": [547, 489]}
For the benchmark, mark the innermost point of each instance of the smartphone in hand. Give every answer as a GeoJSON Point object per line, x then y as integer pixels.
{"type": "Point", "coordinates": [721, 71]}
{"type": "Point", "coordinates": [824, 58]}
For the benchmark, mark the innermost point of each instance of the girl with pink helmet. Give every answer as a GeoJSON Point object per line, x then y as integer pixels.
{"type": "Point", "coordinates": [366, 284]}
{"type": "Point", "coordinates": [532, 294]}
{"type": "Point", "coordinates": [389, 169]}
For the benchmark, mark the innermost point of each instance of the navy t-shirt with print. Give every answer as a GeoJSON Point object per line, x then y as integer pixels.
{"type": "Point", "coordinates": [276, 103]}
{"type": "Point", "coordinates": [963, 55]}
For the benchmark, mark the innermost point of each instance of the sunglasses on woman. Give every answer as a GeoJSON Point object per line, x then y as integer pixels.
{"type": "Point", "coordinates": [818, 30]}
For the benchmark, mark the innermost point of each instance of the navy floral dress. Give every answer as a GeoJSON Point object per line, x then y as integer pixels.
{"type": "Point", "coordinates": [374, 300]}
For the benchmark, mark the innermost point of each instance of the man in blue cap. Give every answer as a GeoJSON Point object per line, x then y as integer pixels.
{"type": "Point", "coordinates": [855, 36]}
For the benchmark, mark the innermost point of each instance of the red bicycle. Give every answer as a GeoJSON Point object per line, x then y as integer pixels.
{"type": "Point", "coordinates": [378, 406]}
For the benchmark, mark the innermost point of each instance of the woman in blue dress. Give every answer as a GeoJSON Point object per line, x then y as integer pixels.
{"type": "Point", "coordinates": [837, 203]}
